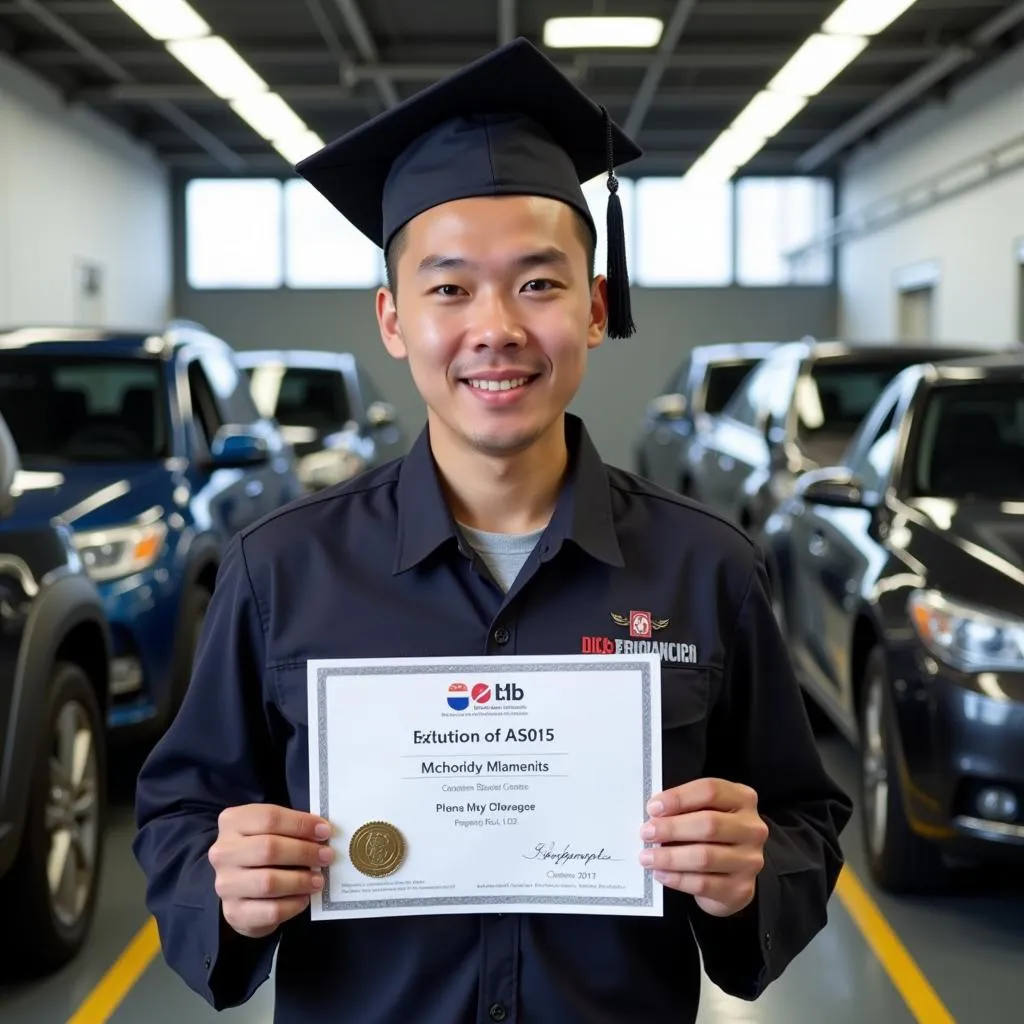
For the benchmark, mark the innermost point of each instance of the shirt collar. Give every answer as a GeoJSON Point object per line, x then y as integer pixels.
{"type": "Point", "coordinates": [583, 512]}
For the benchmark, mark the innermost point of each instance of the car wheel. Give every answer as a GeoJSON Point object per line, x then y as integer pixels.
{"type": "Point", "coordinates": [49, 896]}
{"type": "Point", "coordinates": [899, 859]}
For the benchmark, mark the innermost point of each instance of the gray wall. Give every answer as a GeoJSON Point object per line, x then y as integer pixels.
{"type": "Point", "coordinates": [969, 246]}
{"type": "Point", "coordinates": [623, 375]}
{"type": "Point", "coordinates": [85, 214]}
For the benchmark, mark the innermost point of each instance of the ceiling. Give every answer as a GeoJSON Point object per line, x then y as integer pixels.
{"type": "Point", "coordinates": [338, 62]}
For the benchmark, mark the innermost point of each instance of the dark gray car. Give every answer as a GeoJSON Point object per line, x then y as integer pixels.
{"type": "Point", "coordinates": [796, 411]}
{"type": "Point", "coordinates": [330, 411]}
{"type": "Point", "coordinates": [54, 682]}
{"type": "Point", "coordinates": [697, 390]}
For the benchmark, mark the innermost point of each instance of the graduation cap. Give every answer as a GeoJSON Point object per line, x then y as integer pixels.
{"type": "Point", "coordinates": [509, 123]}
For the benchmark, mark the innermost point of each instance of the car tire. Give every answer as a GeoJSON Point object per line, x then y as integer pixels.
{"type": "Point", "coordinates": [44, 924]}
{"type": "Point", "coordinates": [900, 861]}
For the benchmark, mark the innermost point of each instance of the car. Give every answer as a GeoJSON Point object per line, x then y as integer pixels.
{"type": "Point", "coordinates": [795, 411]}
{"type": "Point", "coordinates": [148, 445]}
{"type": "Point", "coordinates": [54, 673]}
{"type": "Point", "coordinates": [698, 389]}
{"type": "Point", "coordinates": [330, 410]}
{"type": "Point", "coordinates": [900, 586]}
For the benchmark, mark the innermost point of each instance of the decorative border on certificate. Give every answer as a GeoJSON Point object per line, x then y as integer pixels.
{"type": "Point", "coordinates": [489, 666]}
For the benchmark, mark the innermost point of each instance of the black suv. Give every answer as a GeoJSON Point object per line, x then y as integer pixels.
{"type": "Point", "coordinates": [54, 669]}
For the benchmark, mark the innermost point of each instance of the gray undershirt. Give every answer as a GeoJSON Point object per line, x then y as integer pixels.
{"type": "Point", "coordinates": [504, 554]}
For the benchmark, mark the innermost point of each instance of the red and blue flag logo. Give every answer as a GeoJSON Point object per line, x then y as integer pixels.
{"type": "Point", "coordinates": [458, 696]}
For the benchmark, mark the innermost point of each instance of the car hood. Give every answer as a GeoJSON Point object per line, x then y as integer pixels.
{"type": "Point", "coordinates": [90, 496]}
{"type": "Point", "coordinates": [990, 531]}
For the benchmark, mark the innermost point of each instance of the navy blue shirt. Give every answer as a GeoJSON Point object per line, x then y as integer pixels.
{"type": "Point", "coordinates": [377, 567]}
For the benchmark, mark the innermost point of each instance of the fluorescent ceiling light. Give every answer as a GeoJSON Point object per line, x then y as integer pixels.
{"type": "Point", "coordinates": [820, 60]}
{"type": "Point", "coordinates": [165, 19]}
{"type": "Point", "coordinates": [584, 33]}
{"type": "Point", "coordinates": [298, 147]}
{"type": "Point", "coordinates": [216, 64]}
{"type": "Point", "coordinates": [707, 171]}
{"type": "Point", "coordinates": [768, 113]}
{"type": "Point", "coordinates": [269, 116]}
{"type": "Point", "coordinates": [733, 147]}
{"type": "Point", "coordinates": [865, 17]}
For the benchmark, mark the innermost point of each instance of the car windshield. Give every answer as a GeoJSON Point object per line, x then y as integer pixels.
{"type": "Point", "coordinates": [838, 395]}
{"type": "Point", "coordinates": [84, 409]}
{"type": "Point", "coordinates": [300, 396]}
{"type": "Point", "coordinates": [722, 381]}
{"type": "Point", "coordinates": [971, 442]}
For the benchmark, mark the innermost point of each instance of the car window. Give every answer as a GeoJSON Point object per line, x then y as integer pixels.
{"type": "Point", "coordinates": [836, 396]}
{"type": "Point", "coordinates": [741, 407]}
{"type": "Point", "coordinates": [85, 409]}
{"type": "Point", "coordinates": [313, 398]}
{"type": "Point", "coordinates": [971, 442]}
{"type": "Point", "coordinates": [722, 381]}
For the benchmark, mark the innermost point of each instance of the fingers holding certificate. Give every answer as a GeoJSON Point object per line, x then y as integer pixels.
{"type": "Point", "coordinates": [485, 785]}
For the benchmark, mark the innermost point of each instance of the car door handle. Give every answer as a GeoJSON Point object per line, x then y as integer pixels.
{"type": "Point", "coordinates": [254, 488]}
{"type": "Point", "coordinates": [817, 544]}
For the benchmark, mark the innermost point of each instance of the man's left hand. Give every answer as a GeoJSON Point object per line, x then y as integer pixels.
{"type": "Point", "coordinates": [711, 843]}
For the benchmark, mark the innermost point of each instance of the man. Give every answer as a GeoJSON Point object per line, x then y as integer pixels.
{"type": "Point", "coordinates": [503, 533]}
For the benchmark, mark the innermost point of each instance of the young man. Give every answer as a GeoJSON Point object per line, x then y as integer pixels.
{"type": "Point", "coordinates": [501, 533]}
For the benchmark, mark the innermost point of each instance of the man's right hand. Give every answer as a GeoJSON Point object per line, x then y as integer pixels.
{"type": "Point", "coordinates": [268, 862]}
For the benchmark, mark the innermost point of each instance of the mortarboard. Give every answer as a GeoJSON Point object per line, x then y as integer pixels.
{"type": "Point", "coordinates": [509, 123]}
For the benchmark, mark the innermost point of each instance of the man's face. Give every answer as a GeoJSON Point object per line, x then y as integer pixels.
{"type": "Point", "coordinates": [496, 314]}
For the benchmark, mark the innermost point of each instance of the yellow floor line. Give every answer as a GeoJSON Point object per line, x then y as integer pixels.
{"type": "Point", "coordinates": [107, 996]}
{"type": "Point", "coordinates": [906, 976]}
{"type": "Point", "coordinates": [910, 982]}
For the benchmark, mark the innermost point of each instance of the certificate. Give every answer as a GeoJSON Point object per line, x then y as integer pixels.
{"type": "Point", "coordinates": [485, 785]}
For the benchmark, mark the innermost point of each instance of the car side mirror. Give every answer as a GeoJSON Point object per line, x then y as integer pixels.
{"type": "Point", "coordinates": [380, 414]}
{"type": "Point", "coordinates": [668, 407]}
{"type": "Point", "coordinates": [238, 448]}
{"type": "Point", "coordinates": [833, 486]}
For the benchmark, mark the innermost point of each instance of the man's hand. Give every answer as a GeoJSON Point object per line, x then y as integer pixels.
{"type": "Point", "coordinates": [712, 843]}
{"type": "Point", "coordinates": [268, 862]}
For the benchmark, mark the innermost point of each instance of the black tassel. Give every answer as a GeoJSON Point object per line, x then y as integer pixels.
{"type": "Point", "coordinates": [620, 314]}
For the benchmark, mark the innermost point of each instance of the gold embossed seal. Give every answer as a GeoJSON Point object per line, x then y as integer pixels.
{"type": "Point", "coordinates": [377, 849]}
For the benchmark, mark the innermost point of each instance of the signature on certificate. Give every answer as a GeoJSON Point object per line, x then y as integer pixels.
{"type": "Point", "coordinates": [566, 855]}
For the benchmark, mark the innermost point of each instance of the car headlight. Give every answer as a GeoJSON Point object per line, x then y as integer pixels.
{"type": "Point", "coordinates": [967, 637]}
{"type": "Point", "coordinates": [120, 550]}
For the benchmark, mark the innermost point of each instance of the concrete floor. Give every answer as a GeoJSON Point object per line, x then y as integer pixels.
{"type": "Point", "coordinates": [969, 946]}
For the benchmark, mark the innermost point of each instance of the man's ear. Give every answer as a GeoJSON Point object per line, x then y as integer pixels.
{"type": "Point", "coordinates": [598, 311]}
{"type": "Point", "coordinates": [390, 328]}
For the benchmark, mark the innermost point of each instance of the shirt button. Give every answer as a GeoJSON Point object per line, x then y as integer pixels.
{"type": "Point", "coordinates": [768, 940]}
{"type": "Point", "coordinates": [501, 636]}
{"type": "Point", "coordinates": [498, 1012]}
{"type": "Point", "coordinates": [206, 962]}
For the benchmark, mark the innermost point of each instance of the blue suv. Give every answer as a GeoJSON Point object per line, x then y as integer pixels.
{"type": "Point", "coordinates": [150, 449]}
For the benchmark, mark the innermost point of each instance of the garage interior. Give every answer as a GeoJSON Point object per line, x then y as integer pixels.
{"type": "Point", "coordinates": [869, 193]}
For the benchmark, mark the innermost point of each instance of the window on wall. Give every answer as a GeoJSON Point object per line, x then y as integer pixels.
{"type": "Point", "coordinates": [776, 216]}
{"type": "Point", "coordinates": [322, 249]}
{"type": "Point", "coordinates": [268, 234]}
{"type": "Point", "coordinates": [684, 234]}
{"type": "Point", "coordinates": [233, 233]}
